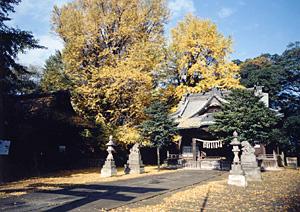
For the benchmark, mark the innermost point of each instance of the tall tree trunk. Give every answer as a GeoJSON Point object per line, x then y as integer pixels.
{"type": "Point", "coordinates": [158, 158]}
{"type": "Point", "coordinates": [1, 120]}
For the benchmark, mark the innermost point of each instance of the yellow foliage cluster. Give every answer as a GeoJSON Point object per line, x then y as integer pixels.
{"type": "Point", "coordinates": [203, 52]}
{"type": "Point", "coordinates": [111, 50]}
{"type": "Point", "coordinates": [130, 135]}
{"type": "Point", "coordinates": [115, 49]}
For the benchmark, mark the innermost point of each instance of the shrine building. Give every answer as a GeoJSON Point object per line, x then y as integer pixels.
{"type": "Point", "coordinates": [198, 147]}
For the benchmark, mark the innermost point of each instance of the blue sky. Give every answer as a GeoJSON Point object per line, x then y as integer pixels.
{"type": "Point", "coordinates": [256, 26]}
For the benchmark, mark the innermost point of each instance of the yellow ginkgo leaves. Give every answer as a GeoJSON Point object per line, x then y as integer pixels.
{"type": "Point", "coordinates": [202, 56]}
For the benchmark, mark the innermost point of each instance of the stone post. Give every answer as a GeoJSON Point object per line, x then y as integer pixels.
{"type": "Point", "coordinates": [236, 176]}
{"type": "Point", "coordinates": [194, 149]}
{"type": "Point", "coordinates": [109, 168]}
{"type": "Point", "coordinates": [282, 159]}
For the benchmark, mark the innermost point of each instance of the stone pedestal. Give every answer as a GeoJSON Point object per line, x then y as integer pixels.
{"type": "Point", "coordinates": [135, 163]}
{"type": "Point", "coordinates": [109, 168]}
{"type": "Point", "coordinates": [252, 173]}
{"type": "Point", "coordinates": [237, 180]}
{"type": "Point", "coordinates": [292, 162]}
{"type": "Point", "coordinates": [236, 176]}
{"type": "Point", "coordinates": [249, 162]}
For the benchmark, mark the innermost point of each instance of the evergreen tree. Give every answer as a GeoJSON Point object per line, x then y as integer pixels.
{"type": "Point", "coordinates": [13, 41]}
{"type": "Point", "coordinates": [263, 71]}
{"type": "Point", "coordinates": [159, 129]}
{"type": "Point", "coordinates": [54, 76]}
{"type": "Point", "coordinates": [246, 114]}
{"type": "Point", "coordinates": [279, 75]}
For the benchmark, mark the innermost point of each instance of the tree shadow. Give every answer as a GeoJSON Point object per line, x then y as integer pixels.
{"type": "Point", "coordinates": [68, 197]}
{"type": "Point", "coordinates": [205, 200]}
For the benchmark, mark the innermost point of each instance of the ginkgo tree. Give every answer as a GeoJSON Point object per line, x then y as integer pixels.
{"type": "Point", "coordinates": [111, 50]}
{"type": "Point", "coordinates": [202, 56]}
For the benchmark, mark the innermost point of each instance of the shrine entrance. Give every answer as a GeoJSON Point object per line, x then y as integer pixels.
{"type": "Point", "coordinates": [205, 155]}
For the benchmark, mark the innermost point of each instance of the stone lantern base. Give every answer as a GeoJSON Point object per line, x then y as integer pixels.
{"type": "Point", "coordinates": [237, 180]}
{"type": "Point", "coordinates": [109, 169]}
{"type": "Point", "coordinates": [237, 176]}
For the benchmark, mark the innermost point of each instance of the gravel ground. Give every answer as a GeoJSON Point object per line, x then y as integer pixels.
{"type": "Point", "coordinates": [279, 191]}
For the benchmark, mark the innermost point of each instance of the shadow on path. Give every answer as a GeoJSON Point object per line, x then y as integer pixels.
{"type": "Point", "coordinates": [92, 193]}
{"type": "Point", "coordinates": [205, 200]}
{"type": "Point", "coordinates": [72, 197]}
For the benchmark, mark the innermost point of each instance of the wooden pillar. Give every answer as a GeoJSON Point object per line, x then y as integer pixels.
{"type": "Point", "coordinates": [194, 149]}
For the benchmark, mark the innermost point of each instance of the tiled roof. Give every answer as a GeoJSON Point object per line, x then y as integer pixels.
{"type": "Point", "coordinates": [192, 113]}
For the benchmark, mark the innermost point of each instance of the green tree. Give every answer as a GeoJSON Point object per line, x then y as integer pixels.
{"type": "Point", "coordinates": [289, 96]}
{"type": "Point", "coordinates": [54, 77]}
{"type": "Point", "coordinates": [159, 129]}
{"type": "Point", "coordinates": [279, 74]}
{"type": "Point", "coordinates": [246, 114]}
{"type": "Point", "coordinates": [23, 82]}
{"type": "Point", "coordinates": [263, 71]}
{"type": "Point", "coordinates": [292, 129]}
{"type": "Point", "coordinates": [12, 42]}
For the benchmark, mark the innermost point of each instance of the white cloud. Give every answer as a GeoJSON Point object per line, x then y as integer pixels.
{"type": "Point", "coordinates": [225, 12]}
{"type": "Point", "coordinates": [181, 7]}
{"type": "Point", "coordinates": [38, 9]}
{"type": "Point", "coordinates": [38, 56]}
{"type": "Point", "coordinates": [38, 13]}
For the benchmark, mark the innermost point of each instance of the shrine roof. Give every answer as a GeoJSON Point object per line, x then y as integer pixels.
{"type": "Point", "coordinates": [193, 112]}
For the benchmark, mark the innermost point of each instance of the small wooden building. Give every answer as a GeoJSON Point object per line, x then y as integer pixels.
{"type": "Point", "coordinates": [199, 149]}
{"type": "Point", "coordinates": [44, 131]}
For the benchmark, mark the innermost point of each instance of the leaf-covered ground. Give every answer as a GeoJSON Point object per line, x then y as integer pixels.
{"type": "Point", "coordinates": [68, 178]}
{"type": "Point", "coordinates": [279, 191]}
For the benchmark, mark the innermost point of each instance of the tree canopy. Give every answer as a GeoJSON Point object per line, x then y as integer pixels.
{"type": "Point", "coordinates": [279, 75]}
{"type": "Point", "coordinates": [111, 50]}
{"type": "Point", "coordinates": [201, 57]}
{"type": "Point", "coordinates": [13, 41]}
{"type": "Point", "coordinates": [246, 114]}
{"type": "Point", "coordinates": [159, 129]}
{"type": "Point", "coordinates": [54, 76]}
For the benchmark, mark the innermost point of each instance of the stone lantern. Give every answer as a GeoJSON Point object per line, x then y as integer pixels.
{"type": "Point", "coordinates": [109, 168]}
{"type": "Point", "coordinates": [236, 176]}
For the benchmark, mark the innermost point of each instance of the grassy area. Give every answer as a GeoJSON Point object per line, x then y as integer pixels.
{"type": "Point", "coordinates": [279, 191]}
{"type": "Point", "coordinates": [68, 178]}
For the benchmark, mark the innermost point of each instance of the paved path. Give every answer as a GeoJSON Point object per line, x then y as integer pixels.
{"type": "Point", "coordinates": [91, 197]}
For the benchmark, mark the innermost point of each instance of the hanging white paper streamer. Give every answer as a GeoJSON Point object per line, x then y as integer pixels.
{"type": "Point", "coordinates": [211, 144]}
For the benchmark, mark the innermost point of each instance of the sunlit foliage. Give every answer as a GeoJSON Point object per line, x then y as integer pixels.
{"type": "Point", "coordinates": [202, 56]}
{"type": "Point", "coordinates": [111, 50]}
